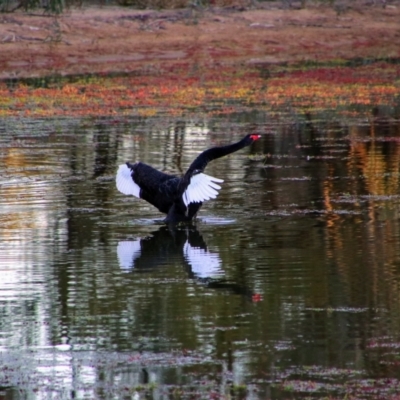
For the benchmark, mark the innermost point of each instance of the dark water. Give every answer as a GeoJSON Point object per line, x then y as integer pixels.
{"type": "Point", "coordinates": [286, 287]}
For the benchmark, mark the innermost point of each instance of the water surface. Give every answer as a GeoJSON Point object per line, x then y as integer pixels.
{"type": "Point", "coordinates": [287, 283]}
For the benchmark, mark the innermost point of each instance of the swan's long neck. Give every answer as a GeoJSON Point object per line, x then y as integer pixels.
{"type": "Point", "coordinates": [216, 152]}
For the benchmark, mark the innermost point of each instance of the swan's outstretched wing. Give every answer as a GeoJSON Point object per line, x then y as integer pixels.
{"type": "Point", "coordinates": [125, 182]}
{"type": "Point", "coordinates": [202, 187]}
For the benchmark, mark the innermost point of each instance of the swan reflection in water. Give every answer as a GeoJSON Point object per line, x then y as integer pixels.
{"type": "Point", "coordinates": [166, 244]}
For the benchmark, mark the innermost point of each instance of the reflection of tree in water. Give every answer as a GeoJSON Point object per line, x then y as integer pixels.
{"type": "Point", "coordinates": [345, 177]}
{"type": "Point", "coordinates": [357, 168]}
{"type": "Point", "coordinates": [91, 157]}
{"type": "Point", "coordinates": [168, 244]}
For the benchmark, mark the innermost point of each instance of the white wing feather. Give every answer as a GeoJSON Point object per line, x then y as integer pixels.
{"type": "Point", "coordinates": [202, 187]}
{"type": "Point", "coordinates": [125, 183]}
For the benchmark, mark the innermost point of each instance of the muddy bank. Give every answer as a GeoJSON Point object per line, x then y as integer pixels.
{"type": "Point", "coordinates": [112, 39]}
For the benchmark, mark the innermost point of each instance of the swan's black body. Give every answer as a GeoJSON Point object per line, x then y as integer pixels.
{"type": "Point", "coordinates": [179, 198]}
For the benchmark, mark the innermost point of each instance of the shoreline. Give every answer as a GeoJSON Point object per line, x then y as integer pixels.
{"type": "Point", "coordinates": [115, 40]}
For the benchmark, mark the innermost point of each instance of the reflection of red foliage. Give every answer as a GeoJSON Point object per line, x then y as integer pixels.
{"type": "Point", "coordinates": [256, 298]}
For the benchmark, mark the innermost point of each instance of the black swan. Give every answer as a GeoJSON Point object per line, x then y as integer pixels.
{"type": "Point", "coordinates": [179, 198]}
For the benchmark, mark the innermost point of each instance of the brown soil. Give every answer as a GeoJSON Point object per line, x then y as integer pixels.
{"type": "Point", "coordinates": [112, 39]}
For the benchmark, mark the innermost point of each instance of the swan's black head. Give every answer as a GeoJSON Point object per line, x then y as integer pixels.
{"type": "Point", "coordinates": [132, 167]}
{"type": "Point", "coordinates": [250, 138]}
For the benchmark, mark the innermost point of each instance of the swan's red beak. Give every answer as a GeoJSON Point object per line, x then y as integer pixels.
{"type": "Point", "coordinates": [255, 137]}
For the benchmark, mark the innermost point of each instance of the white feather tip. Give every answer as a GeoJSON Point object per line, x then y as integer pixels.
{"type": "Point", "coordinates": [202, 187]}
{"type": "Point", "coordinates": [125, 182]}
